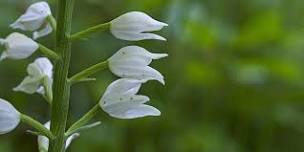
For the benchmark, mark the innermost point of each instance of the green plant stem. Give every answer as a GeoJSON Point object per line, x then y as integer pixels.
{"type": "Point", "coordinates": [53, 22]}
{"type": "Point", "coordinates": [88, 72]}
{"type": "Point", "coordinates": [84, 120]}
{"type": "Point", "coordinates": [48, 89]}
{"type": "Point", "coordinates": [37, 125]}
{"type": "Point", "coordinates": [91, 30]}
{"type": "Point", "coordinates": [48, 52]}
{"type": "Point", "coordinates": [60, 104]}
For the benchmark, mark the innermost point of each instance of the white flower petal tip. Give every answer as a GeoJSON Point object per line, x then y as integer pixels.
{"type": "Point", "coordinates": [9, 117]}
{"type": "Point", "coordinates": [120, 100]}
{"type": "Point", "coordinates": [135, 26]}
{"type": "Point", "coordinates": [132, 62]}
{"type": "Point", "coordinates": [40, 69]}
{"type": "Point", "coordinates": [43, 142]}
{"type": "Point", "coordinates": [35, 19]}
{"type": "Point", "coordinates": [18, 46]}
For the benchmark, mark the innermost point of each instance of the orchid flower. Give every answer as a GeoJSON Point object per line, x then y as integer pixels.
{"type": "Point", "coordinates": [135, 26]}
{"type": "Point", "coordinates": [18, 46]}
{"type": "Point", "coordinates": [132, 62]}
{"type": "Point", "coordinates": [9, 117]}
{"type": "Point", "coordinates": [35, 19]}
{"type": "Point", "coordinates": [43, 142]}
{"type": "Point", "coordinates": [39, 73]}
{"type": "Point", "coordinates": [120, 100]}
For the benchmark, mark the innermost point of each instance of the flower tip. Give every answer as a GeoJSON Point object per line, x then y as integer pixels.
{"type": "Point", "coordinates": [3, 56]}
{"type": "Point", "coordinates": [162, 81]}
{"type": "Point", "coordinates": [160, 38]}
{"type": "Point", "coordinates": [35, 36]}
{"type": "Point", "coordinates": [164, 24]}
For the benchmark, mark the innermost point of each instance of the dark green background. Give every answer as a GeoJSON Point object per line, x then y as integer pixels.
{"type": "Point", "coordinates": [234, 77]}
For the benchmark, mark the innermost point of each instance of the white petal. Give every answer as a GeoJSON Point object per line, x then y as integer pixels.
{"type": "Point", "coordinates": [137, 36]}
{"type": "Point", "coordinates": [120, 100]}
{"type": "Point", "coordinates": [135, 55]}
{"type": "Point", "coordinates": [29, 85]}
{"type": "Point", "coordinates": [9, 117]}
{"type": "Point", "coordinates": [3, 56]}
{"type": "Point", "coordinates": [132, 61]}
{"type": "Point", "coordinates": [117, 99]}
{"type": "Point", "coordinates": [43, 32]}
{"type": "Point", "coordinates": [133, 26]}
{"type": "Point", "coordinates": [123, 87]}
{"type": "Point", "coordinates": [70, 139]}
{"type": "Point", "coordinates": [131, 55]}
{"type": "Point", "coordinates": [144, 73]}
{"type": "Point", "coordinates": [33, 18]}
{"type": "Point", "coordinates": [19, 46]}
{"type": "Point", "coordinates": [37, 71]}
{"type": "Point", "coordinates": [130, 110]}
{"type": "Point", "coordinates": [43, 142]}
{"type": "Point", "coordinates": [41, 67]}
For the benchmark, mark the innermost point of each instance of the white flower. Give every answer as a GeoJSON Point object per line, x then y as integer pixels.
{"type": "Point", "coordinates": [41, 69]}
{"type": "Point", "coordinates": [9, 117]}
{"type": "Point", "coordinates": [43, 142]}
{"type": "Point", "coordinates": [132, 62]}
{"type": "Point", "coordinates": [120, 100]}
{"type": "Point", "coordinates": [18, 46]}
{"type": "Point", "coordinates": [134, 26]}
{"type": "Point", "coordinates": [35, 19]}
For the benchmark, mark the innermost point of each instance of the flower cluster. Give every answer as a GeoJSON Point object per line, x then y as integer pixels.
{"type": "Point", "coordinates": [130, 64]}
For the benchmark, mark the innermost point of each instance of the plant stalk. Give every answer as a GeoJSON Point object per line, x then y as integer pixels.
{"type": "Point", "coordinates": [60, 105]}
{"type": "Point", "coordinates": [37, 125]}
{"type": "Point", "coordinates": [85, 119]}
{"type": "Point", "coordinates": [91, 30]}
{"type": "Point", "coordinates": [88, 72]}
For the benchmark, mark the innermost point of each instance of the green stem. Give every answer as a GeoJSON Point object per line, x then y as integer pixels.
{"type": "Point", "coordinates": [88, 72]}
{"type": "Point", "coordinates": [85, 119]}
{"type": "Point", "coordinates": [37, 125]}
{"type": "Point", "coordinates": [60, 104]}
{"type": "Point", "coordinates": [53, 22]}
{"type": "Point", "coordinates": [91, 30]}
{"type": "Point", "coordinates": [48, 52]}
{"type": "Point", "coordinates": [48, 89]}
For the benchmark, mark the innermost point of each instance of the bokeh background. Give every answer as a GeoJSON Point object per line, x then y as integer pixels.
{"type": "Point", "coordinates": [234, 78]}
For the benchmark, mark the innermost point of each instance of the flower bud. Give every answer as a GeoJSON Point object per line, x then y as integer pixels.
{"type": "Point", "coordinates": [9, 117]}
{"type": "Point", "coordinates": [41, 69]}
{"type": "Point", "coordinates": [135, 26]}
{"type": "Point", "coordinates": [35, 19]}
{"type": "Point", "coordinates": [120, 100]}
{"type": "Point", "coordinates": [18, 46]}
{"type": "Point", "coordinates": [132, 62]}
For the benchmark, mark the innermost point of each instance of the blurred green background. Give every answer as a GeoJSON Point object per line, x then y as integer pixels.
{"type": "Point", "coordinates": [234, 78]}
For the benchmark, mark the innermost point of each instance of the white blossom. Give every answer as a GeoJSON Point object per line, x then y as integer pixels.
{"type": "Point", "coordinates": [132, 62]}
{"type": "Point", "coordinates": [43, 142]}
{"type": "Point", "coordinates": [35, 20]}
{"type": "Point", "coordinates": [41, 69]}
{"type": "Point", "coordinates": [17, 46]}
{"type": "Point", "coordinates": [135, 26]}
{"type": "Point", "coordinates": [9, 117]}
{"type": "Point", "coordinates": [120, 100]}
